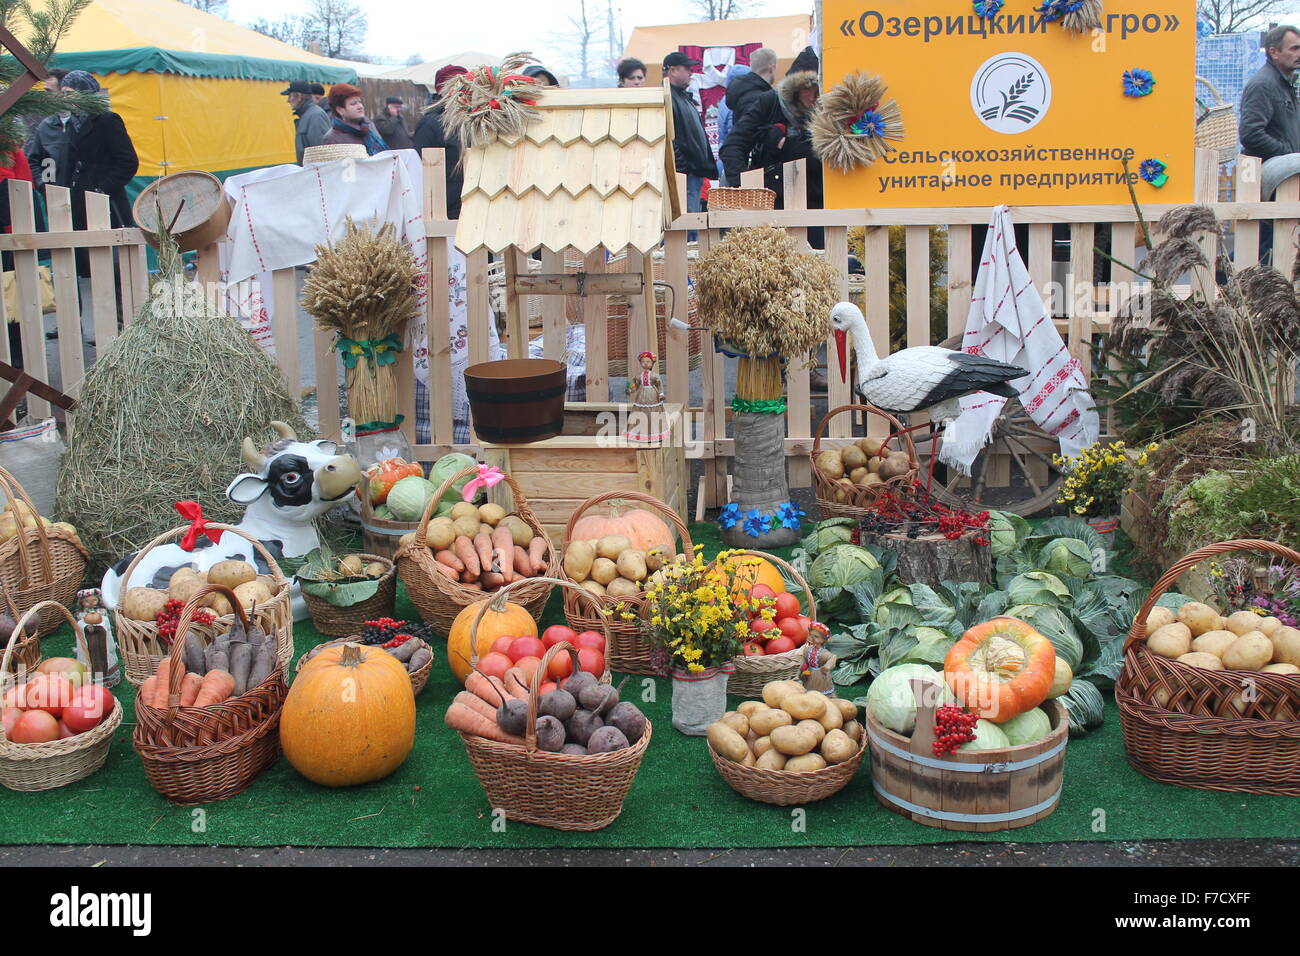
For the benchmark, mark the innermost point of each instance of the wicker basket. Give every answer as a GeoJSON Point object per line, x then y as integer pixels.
{"type": "Point", "coordinates": [139, 646]}
{"type": "Point", "coordinates": [627, 653]}
{"type": "Point", "coordinates": [560, 791]}
{"type": "Point", "coordinates": [39, 564]}
{"type": "Point", "coordinates": [788, 787]}
{"type": "Point", "coordinates": [419, 677]}
{"type": "Point", "coordinates": [1216, 126]}
{"type": "Point", "coordinates": [863, 496]}
{"type": "Point", "coordinates": [333, 152]}
{"type": "Point", "coordinates": [343, 621]}
{"type": "Point", "coordinates": [1181, 723]}
{"type": "Point", "coordinates": [203, 754]}
{"type": "Point", "coordinates": [437, 597]}
{"type": "Point", "coordinates": [753, 672]}
{"type": "Point", "coordinates": [27, 652]}
{"type": "Point", "coordinates": [31, 767]}
{"type": "Point", "coordinates": [744, 197]}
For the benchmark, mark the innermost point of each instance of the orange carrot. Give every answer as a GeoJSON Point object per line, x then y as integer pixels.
{"type": "Point", "coordinates": [478, 683]}
{"type": "Point", "coordinates": [450, 560]}
{"type": "Point", "coordinates": [162, 690]}
{"type": "Point", "coordinates": [483, 548]}
{"type": "Point", "coordinates": [472, 585]}
{"type": "Point", "coordinates": [446, 571]}
{"type": "Point", "coordinates": [523, 563]}
{"type": "Point", "coordinates": [476, 704]}
{"type": "Point", "coordinates": [217, 686]}
{"type": "Point", "coordinates": [147, 691]}
{"type": "Point", "coordinates": [464, 549]}
{"type": "Point", "coordinates": [493, 580]}
{"type": "Point", "coordinates": [503, 552]}
{"type": "Point", "coordinates": [516, 684]}
{"type": "Point", "coordinates": [190, 685]}
{"type": "Point", "coordinates": [537, 553]}
{"type": "Point", "coordinates": [468, 721]}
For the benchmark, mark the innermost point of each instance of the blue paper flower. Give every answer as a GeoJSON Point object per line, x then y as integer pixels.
{"type": "Point", "coordinates": [730, 515]}
{"type": "Point", "coordinates": [1153, 172]}
{"type": "Point", "coordinates": [1204, 28]}
{"type": "Point", "coordinates": [1050, 11]}
{"type": "Point", "coordinates": [1138, 82]}
{"type": "Point", "coordinates": [789, 514]}
{"type": "Point", "coordinates": [868, 124]}
{"type": "Point", "coordinates": [988, 9]}
{"type": "Point", "coordinates": [757, 524]}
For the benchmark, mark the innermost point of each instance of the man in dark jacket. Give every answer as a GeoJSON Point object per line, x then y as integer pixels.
{"type": "Point", "coordinates": [691, 149]}
{"type": "Point", "coordinates": [755, 109]}
{"type": "Point", "coordinates": [310, 122]}
{"type": "Point", "coordinates": [431, 134]}
{"type": "Point", "coordinates": [392, 125]}
{"type": "Point", "coordinates": [101, 156]}
{"type": "Point", "coordinates": [1269, 126]}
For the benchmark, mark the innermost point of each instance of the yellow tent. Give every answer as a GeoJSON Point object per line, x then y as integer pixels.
{"type": "Point", "coordinates": [195, 91]}
{"type": "Point", "coordinates": [786, 35]}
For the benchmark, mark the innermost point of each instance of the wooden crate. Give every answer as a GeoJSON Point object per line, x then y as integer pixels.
{"type": "Point", "coordinates": [560, 473]}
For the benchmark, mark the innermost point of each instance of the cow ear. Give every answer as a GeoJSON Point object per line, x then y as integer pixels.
{"type": "Point", "coordinates": [326, 446]}
{"type": "Point", "coordinates": [246, 489]}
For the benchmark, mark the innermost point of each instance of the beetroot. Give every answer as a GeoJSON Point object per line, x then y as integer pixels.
{"type": "Point", "coordinates": [628, 719]}
{"type": "Point", "coordinates": [574, 750]}
{"type": "Point", "coordinates": [599, 697]}
{"type": "Point", "coordinates": [550, 734]}
{"type": "Point", "coordinates": [582, 725]}
{"type": "Point", "coordinates": [558, 703]}
{"type": "Point", "coordinates": [606, 740]}
{"type": "Point", "coordinates": [577, 682]}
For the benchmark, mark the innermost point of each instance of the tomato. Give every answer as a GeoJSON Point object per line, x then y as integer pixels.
{"type": "Point", "coordinates": [65, 731]}
{"type": "Point", "coordinates": [556, 633]}
{"type": "Point", "coordinates": [549, 686]}
{"type": "Point", "coordinates": [71, 668]}
{"type": "Point", "coordinates": [787, 605]}
{"type": "Point", "coordinates": [791, 628]}
{"type": "Point", "coordinates": [88, 707]}
{"type": "Point", "coordinates": [522, 647]}
{"type": "Point", "coordinates": [502, 645]}
{"type": "Point", "coordinates": [10, 717]}
{"type": "Point", "coordinates": [529, 665]}
{"type": "Point", "coordinates": [593, 639]}
{"type": "Point", "coordinates": [35, 727]}
{"type": "Point", "coordinates": [761, 592]}
{"type": "Point", "coordinates": [47, 692]}
{"type": "Point", "coordinates": [560, 667]}
{"type": "Point", "coordinates": [495, 664]}
{"type": "Point", "coordinates": [752, 649]}
{"type": "Point", "coordinates": [592, 661]}
{"type": "Point", "coordinates": [779, 645]}
{"type": "Point", "coordinates": [760, 626]}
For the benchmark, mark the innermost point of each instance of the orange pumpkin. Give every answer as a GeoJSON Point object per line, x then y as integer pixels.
{"type": "Point", "coordinates": [349, 717]}
{"type": "Point", "coordinates": [642, 527]}
{"type": "Point", "coordinates": [750, 571]}
{"type": "Point", "coordinates": [1001, 668]}
{"type": "Point", "coordinates": [501, 619]}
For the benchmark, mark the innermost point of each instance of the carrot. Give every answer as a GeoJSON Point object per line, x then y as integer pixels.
{"type": "Point", "coordinates": [190, 685]}
{"type": "Point", "coordinates": [462, 718]}
{"type": "Point", "coordinates": [503, 552]}
{"type": "Point", "coordinates": [217, 686]}
{"type": "Point", "coordinates": [516, 684]}
{"type": "Point", "coordinates": [162, 689]}
{"type": "Point", "coordinates": [464, 549]}
{"type": "Point", "coordinates": [523, 563]}
{"type": "Point", "coordinates": [472, 585]}
{"type": "Point", "coordinates": [483, 547]}
{"type": "Point", "coordinates": [477, 704]}
{"type": "Point", "coordinates": [450, 560]}
{"type": "Point", "coordinates": [537, 552]}
{"type": "Point", "coordinates": [147, 690]}
{"type": "Point", "coordinates": [480, 684]}
{"type": "Point", "coordinates": [493, 580]}
{"type": "Point", "coordinates": [445, 570]}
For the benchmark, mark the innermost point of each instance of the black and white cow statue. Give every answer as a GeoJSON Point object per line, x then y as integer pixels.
{"type": "Point", "coordinates": [287, 487]}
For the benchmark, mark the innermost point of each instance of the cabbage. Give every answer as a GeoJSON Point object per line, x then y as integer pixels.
{"type": "Point", "coordinates": [988, 736]}
{"type": "Point", "coordinates": [1069, 557]}
{"type": "Point", "coordinates": [827, 534]}
{"type": "Point", "coordinates": [1085, 707]}
{"type": "Point", "coordinates": [1026, 728]}
{"type": "Point", "coordinates": [932, 646]}
{"type": "Point", "coordinates": [384, 513]}
{"type": "Point", "coordinates": [1006, 532]}
{"type": "Point", "coordinates": [1024, 587]}
{"type": "Point", "coordinates": [1054, 625]}
{"type": "Point", "coordinates": [842, 566]}
{"type": "Point", "coordinates": [407, 498]}
{"type": "Point", "coordinates": [890, 699]}
{"type": "Point", "coordinates": [444, 468]}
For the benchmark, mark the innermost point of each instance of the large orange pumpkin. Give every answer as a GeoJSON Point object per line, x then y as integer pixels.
{"type": "Point", "coordinates": [349, 717]}
{"type": "Point", "coordinates": [750, 571]}
{"type": "Point", "coordinates": [642, 527]}
{"type": "Point", "coordinates": [501, 619]}
{"type": "Point", "coordinates": [1001, 668]}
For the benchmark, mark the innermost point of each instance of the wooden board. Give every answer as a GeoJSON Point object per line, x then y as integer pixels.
{"type": "Point", "coordinates": [67, 306]}
{"type": "Point", "coordinates": [31, 322]}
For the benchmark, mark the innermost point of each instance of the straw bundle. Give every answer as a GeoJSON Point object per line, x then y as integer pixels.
{"type": "Point", "coordinates": [364, 289]}
{"type": "Point", "coordinates": [490, 102]}
{"type": "Point", "coordinates": [853, 123]}
{"type": "Point", "coordinates": [1078, 16]}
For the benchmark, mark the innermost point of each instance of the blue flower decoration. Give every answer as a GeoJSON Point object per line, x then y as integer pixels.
{"type": "Point", "coordinates": [789, 514]}
{"type": "Point", "coordinates": [730, 515]}
{"type": "Point", "coordinates": [1153, 172]}
{"type": "Point", "coordinates": [988, 9]}
{"type": "Point", "coordinates": [868, 124]}
{"type": "Point", "coordinates": [1138, 82]}
{"type": "Point", "coordinates": [1050, 11]}
{"type": "Point", "coordinates": [757, 524]}
{"type": "Point", "coordinates": [1204, 28]}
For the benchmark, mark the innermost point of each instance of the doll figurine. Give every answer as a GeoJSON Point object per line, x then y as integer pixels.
{"type": "Point", "coordinates": [646, 419]}
{"type": "Point", "coordinates": [818, 662]}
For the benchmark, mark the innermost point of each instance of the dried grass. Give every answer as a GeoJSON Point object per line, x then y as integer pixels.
{"type": "Point", "coordinates": [490, 102]}
{"type": "Point", "coordinates": [839, 108]}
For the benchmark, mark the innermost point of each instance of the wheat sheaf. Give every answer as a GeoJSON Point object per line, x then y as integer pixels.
{"type": "Point", "coordinates": [834, 140]}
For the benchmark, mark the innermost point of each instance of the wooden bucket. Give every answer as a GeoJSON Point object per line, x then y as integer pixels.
{"type": "Point", "coordinates": [979, 791]}
{"type": "Point", "coordinates": [382, 536]}
{"type": "Point", "coordinates": [193, 208]}
{"type": "Point", "coordinates": [516, 401]}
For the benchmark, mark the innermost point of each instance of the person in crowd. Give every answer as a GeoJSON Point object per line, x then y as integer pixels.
{"type": "Point", "coordinates": [543, 76]}
{"type": "Point", "coordinates": [792, 140]}
{"type": "Point", "coordinates": [691, 149]}
{"type": "Point", "coordinates": [755, 109]}
{"type": "Point", "coordinates": [101, 157]}
{"type": "Point", "coordinates": [318, 94]}
{"type": "Point", "coordinates": [631, 72]}
{"type": "Point", "coordinates": [430, 133]}
{"type": "Point", "coordinates": [805, 62]}
{"type": "Point", "coordinates": [392, 125]}
{"type": "Point", "coordinates": [349, 123]}
{"type": "Point", "coordinates": [310, 124]}
{"type": "Point", "coordinates": [1269, 126]}
{"type": "Point", "coordinates": [726, 115]}
{"type": "Point", "coordinates": [46, 149]}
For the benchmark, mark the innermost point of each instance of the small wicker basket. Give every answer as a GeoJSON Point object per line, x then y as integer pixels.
{"type": "Point", "coordinates": [343, 621]}
{"type": "Point", "coordinates": [197, 755]}
{"type": "Point", "coordinates": [139, 645]}
{"type": "Point", "coordinates": [753, 672]}
{"type": "Point", "coordinates": [862, 496]}
{"type": "Point", "coordinates": [1216, 125]}
{"type": "Point", "coordinates": [560, 791]}
{"type": "Point", "coordinates": [419, 676]}
{"type": "Point", "coordinates": [437, 597]}
{"type": "Point", "coordinates": [27, 652]}
{"type": "Point", "coordinates": [39, 564]}
{"type": "Point", "coordinates": [741, 197]}
{"type": "Point", "coordinates": [788, 787]}
{"type": "Point", "coordinates": [32, 767]}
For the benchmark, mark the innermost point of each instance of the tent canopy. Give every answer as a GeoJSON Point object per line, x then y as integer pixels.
{"type": "Point", "coordinates": [424, 73]}
{"type": "Point", "coordinates": [786, 35]}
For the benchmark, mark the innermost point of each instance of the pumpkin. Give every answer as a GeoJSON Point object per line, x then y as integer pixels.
{"type": "Point", "coordinates": [381, 476]}
{"type": "Point", "coordinates": [750, 571]}
{"type": "Point", "coordinates": [1001, 668]}
{"type": "Point", "coordinates": [501, 619]}
{"type": "Point", "coordinates": [349, 717]}
{"type": "Point", "coordinates": [643, 528]}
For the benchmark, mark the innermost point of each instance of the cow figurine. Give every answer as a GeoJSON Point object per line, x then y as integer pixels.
{"type": "Point", "coordinates": [287, 487]}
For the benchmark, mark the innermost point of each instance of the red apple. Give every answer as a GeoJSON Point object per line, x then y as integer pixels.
{"type": "Point", "coordinates": [549, 686]}
{"type": "Point", "coordinates": [71, 668]}
{"type": "Point", "coordinates": [502, 645]}
{"type": "Point", "coordinates": [88, 707]}
{"type": "Point", "coordinates": [752, 649]}
{"type": "Point", "coordinates": [779, 645]}
{"type": "Point", "coordinates": [787, 605]}
{"type": "Point", "coordinates": [65, 731]}
{"type": "Point", "coordinates": [495, 665]}
{"type": "Point", "coordinates": [760, 626]}
{"type": "Point", "coordinates": [593, 639]}
{"type": "Point", "coordinates": [592, 661]}
{"type": "Point", "coordinates": [10, 717]}
{"type": "Point", "coordinates": [35, 727]}
{"type": "Point", "coordinates": [522, 647]}
{"type": "Point", "coordinates": [556, 633]}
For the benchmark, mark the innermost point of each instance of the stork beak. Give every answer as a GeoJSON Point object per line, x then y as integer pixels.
{"type": "Point", "coordinates": [841, 346]}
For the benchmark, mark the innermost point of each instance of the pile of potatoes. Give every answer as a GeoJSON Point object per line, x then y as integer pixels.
{"type": "Point", "coordinates": [789, 729]}
{"type": "Point", "coordinates": [1243, 641]}
{"type": "Point", "coordinates": [611, 566]}
{"type": "Point", "coordinates": [144, 604]}
{"type": "Point", "coordinates": [349, 567]}
{"type": "Point", "coordinates": [17, 516]}
{"type": "Point", "coordinates": [483, 547]}
{"type": "Point", "coordinates": [864, 463]}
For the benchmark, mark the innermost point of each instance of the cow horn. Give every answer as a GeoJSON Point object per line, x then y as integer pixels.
{"type": "Point", "coordinates": [284, 431]}
{"type": "Point", "coordinates": [252, 457]}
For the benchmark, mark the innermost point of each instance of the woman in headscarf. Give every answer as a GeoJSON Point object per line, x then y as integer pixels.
{"type": "Point", "coordinates": [348, 112]}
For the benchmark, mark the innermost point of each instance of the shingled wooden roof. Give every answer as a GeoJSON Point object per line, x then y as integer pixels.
{"type": "Point", "coordinates": [596, 169]}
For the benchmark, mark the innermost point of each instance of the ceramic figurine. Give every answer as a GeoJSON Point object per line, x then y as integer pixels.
{"type": "Point", "coordinates": [646, 419]}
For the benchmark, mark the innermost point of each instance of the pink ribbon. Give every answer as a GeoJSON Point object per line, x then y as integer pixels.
{"type": "Point", "coordinates": [488, 475]}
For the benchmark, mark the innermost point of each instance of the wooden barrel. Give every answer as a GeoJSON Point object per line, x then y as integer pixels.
{"type": "Point", "coordinates": [975, 790]}
{"type": "Point", "coordinates": [190, 204]}
{"type": "Point", "coordinates": [516, 401]}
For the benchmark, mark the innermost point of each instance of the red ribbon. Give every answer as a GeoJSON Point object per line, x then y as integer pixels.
{"type": "Point", "coordinates": [192, 512]}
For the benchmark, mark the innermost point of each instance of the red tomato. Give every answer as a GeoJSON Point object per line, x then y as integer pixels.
{"type": "Point", "coordinates": [590, 660]}
{"type": "Point", "coordinates": [556, 633]}
{"type": "Point", "coordinates": [47, 692]}
{"type": "Point", "coordinates": [791, 628]}
{"type": "Point", "coordinates": [35, 727]}
{"type": "Point", "coordinates": [69, 667]}
{"type": "Point", "coordinates": [787, 605]}
{"type": "Point", "coordinates": [549, 686]}
{"type": "Point", "coordinates": [65, 731]}
{"type": "Point", "coordinates": [761, 592]}
{"type": "Point", "coordinates": [760, 626]}
{"type": "Point", "coordinates": [593, 639]}
{"type": "Point", "coordinates": [752, 649]}
{"type": "Point", "coordinates": [10, 717]}
{"type": "Point", "coordinates": [502, 645]}
{"type": "Point", "coordinates": [529, 665]}
{"type": "Point", "coordinates": [779, 645]}
{"type": "Point", "coordinates": [495, 665]}
{"type": "Point", "coordinates": [560, 667]}
{"type": "Point", "coordinates": [522, 647]}
{"type": "Point", "coordinates": [88, 707]}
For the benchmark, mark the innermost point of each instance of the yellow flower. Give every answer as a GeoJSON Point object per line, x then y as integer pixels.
{"type": "Point", "coordinates": [1154, 446]}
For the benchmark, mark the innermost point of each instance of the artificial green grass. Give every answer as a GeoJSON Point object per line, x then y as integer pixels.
{"type": "Point", "coordinates": [677, 800]}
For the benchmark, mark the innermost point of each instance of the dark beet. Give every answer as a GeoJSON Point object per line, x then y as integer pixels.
{"type": "Point", "coordinates": [627, 718]}
{"type": "Point", "coordinates": [606, 740]}
{"type": "Point", "coordinates": [599, 697]}
{"type": "Point", "coordinates": [558, 703]}
{"type": "Point", "coordinates": [550, 734]}
{"type": "Point", "coordinates": [512, 717]}
{"type": "Point", "coordinates": [577, 682]}
{"type": "Point", "coordinates": [574, 750]}
{"type": "Point", "coordinates": [582, 725]}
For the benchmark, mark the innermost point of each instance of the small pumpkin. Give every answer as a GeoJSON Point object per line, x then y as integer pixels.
{"type": "Point", "coordinates": [749, 571]}
{"type": "Point", "coordinates": [643, 528]}
{"type": "Point", "coordinates": [1001, 668]}
{"type": "Point", "coordinates": [349, 717]}
{"type": "Point", "coordinates": [501, 619]}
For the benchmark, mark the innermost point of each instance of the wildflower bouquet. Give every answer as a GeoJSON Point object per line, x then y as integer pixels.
{"type": "Point", "coordinates": [1274, 591]}
{"type": "Point", "coordinates": [691, 618]}
{"type": "Point", "coordinates": [1098, 478]}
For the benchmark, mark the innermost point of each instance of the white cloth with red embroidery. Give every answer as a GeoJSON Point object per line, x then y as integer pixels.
{"type": "Point", "coordinates": [1008, 322]}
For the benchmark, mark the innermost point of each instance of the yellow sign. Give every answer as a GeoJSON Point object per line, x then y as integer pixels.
{"type": "Point", "coordinates": [1015, 109]}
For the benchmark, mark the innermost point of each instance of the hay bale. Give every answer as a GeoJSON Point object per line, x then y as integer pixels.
{"type": "Point", "coordinates": [160, 419]}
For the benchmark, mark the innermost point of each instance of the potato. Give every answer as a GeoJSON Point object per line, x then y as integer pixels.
{"type": "Point", "coordinates": [854, 730]}
{"type": "Point", "coordinates": [859, 475]}
{"type": "Point", "coordinates": [853, 457]}
{"type": "Point", "coordinates": [1158, 618]}
{"type": "Point", "coordinates": [771, 759]}
{"type": "Point", "coordinates": [466, 526]}
{"type": "Point", "coordinates": [440, 534]}
{"type": "Point", "coordinates": [375, 569]}
{"type": "Point", "coordinates": [1198, 617]}
{"type": "Point", "coordinates": [491, 514]}
{"type": "Point", "coordinates": [727, 743]}
{"type": "Point", "coordinates": [612, 545]}
{"type": "Point", "coordinates": [1249, 652]}
{"type": "Point", "coordinates": [1172, 640]}
{"type": "Point", "coordinates": [578, 558]}
{"type": "Point", "coordinates": [622, 588]}
{"type": "Point", "coordinates": [1201, 659]}
{"type": "Point", "coordinates": [231, 574]}
{"type": "Point", "coordinates": [838, 747]}
{"type": "Point", "coordinates": [9, 527]}
{"type": "Point", "coordinates": [219, 605]}
{"type": "Point", "coordinates": [604, 570]}
{"type": "Point", "coordinates": [595, 587]}
{"type": "Point", "coordinates": [251, 593]}
{"type": "Point", "coordinates": [1213, 642]}
{"type": "Point", "coordinates": [765, 721]}
{"type": "Point", "coordinates": [183, 574]}
{"type": "Point", "coordinates": [848, 710]}
{"type": "Point", "coordinates": [736, 721]}
{"type": "Point", "coordinates": [519, 530]}
{"type": "Point", "coordinates": [1286, 645]}
{"type": "Point", "coordinates": [748, 707]}
{"type": "Point", "coordinates": [893, 466]}
{"type": "Point", "coordinates": [814, 728]}
{"type": "Point", "coordinates": [871, 479]}
{"type": "Point", "coordinates": [631, 565]}
{"type": "Point", "coordinates": [1268, 625]}
{"type": "Point", "coordinates": [352, 566]}
{"type": "Point", "coordinates": [871, 446]}
{"type": "Point", "coordinates": [485, 528]}
{"type": "Point", "coordinates": [182, 589]}
{"type": "Point", "coordinates": [1280, 669]}
{"type": "Point", "coordinates": [804, 705]}
{"type": "Point", "coordinates": [761, 745]}
{"type": "Point", "coordinates": [831, 717]}
{"type": "Point", "coordinates": [749, 760]}
{"type": "Point", "coordinates": [655, 559]}
{"type": "Point", "coordinates": [1243, 622]}
{"type": "Point", "coordinates": [406, 540]}
{"type": "Point", "coordinates": [773, 691]}
{"type": "Point", "coordinates": [830, 464]}
{"type": "Point", "coordinates": [793, 741]}
{"type": "Point", "coordinates": [143, 604]}
{"type": "Point", "coordinates": [806, 763]}
{"type": "Point", "coordinates": [465, 509]}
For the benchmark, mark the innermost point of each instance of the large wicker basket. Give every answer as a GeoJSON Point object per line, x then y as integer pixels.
{"type": "Point", "coordinates": [31, 767]}
{"type": "Point", "coordinates": [1216, 125]}
{"type": "Point", "coordinates": [1193, 727]}
{"type": "Point", "coordinates": [344, 621]}
{"type": "Point", "coordinates": [39, 564]}
{"type": "Point", "coordinates": [27, 652]}
{"type": "Point", "coordinates": [437, 597]}
{"type": "Point", "coordinates": [627, 653]}
{"type": "Point", "coordinates": [862, 496]}
{"type": "Point", "coordinates": [788, 787]}
{"type": "Point", "coordinates": [561, 791]}
{"type": "Point", "coordinates": [138, 644]}
{"type": "Point", "coordinates": [753, 672]}
{"type": "Point", "coordinates": [203, 754]}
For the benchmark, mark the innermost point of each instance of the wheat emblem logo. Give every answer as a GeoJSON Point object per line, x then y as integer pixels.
{"type": "Point", "coordinates": [1012, 106]}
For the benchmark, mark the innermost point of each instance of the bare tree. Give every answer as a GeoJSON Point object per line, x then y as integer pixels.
{"type": "Point", "coordinates": [338, 26]}
{"type": "Point", "coordinates": [721, 9]}
{"type": "Point", "coordinates": [580, 44]}
{"type": "Point", "coordinates": [291, 29]}
{"type": "Point", "coordinates": [1237, 16]}
{"type": "Point", "coordinates": [218, 8]}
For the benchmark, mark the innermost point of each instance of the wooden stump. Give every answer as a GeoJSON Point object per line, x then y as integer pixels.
{"type": "Point", "coordinates": [759, 480]}
{"type": "Point", "coordinates": [934, 558]}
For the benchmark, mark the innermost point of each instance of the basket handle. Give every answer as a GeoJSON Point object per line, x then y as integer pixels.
{"type": "Point", "coordinates": [32, 612]}
{"type": "Point", "coordinates": [1139, 629]}
{"type": "Point", "coordinates": [176, 673]}
{"type": "Point", "coordinates": [1218, 97]}
{"type": "Point", "coordinates": [276, 574]}
{"type": "Point", "coordinates": [780, 562]}
{"type": "Point", "coordinates": [871, 409]}
{"type": "Point", "coordinates": [14, 492]}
